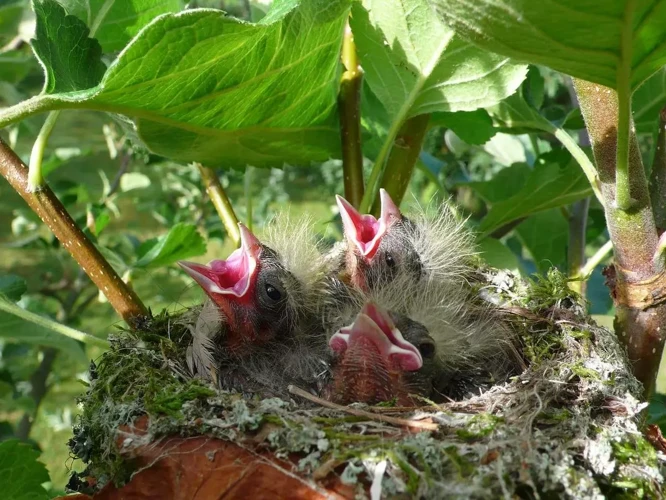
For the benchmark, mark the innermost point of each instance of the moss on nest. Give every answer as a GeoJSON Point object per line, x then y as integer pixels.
{"type": "Point", "coordinates": [567, 426]}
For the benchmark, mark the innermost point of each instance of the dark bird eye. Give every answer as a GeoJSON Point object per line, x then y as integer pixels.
{"type": "Point", "coordinates": [273, 292]}
{"type": "Point", "coordinates": [427, 349]}
{"type": "Point", "coordinates": [390, 261]}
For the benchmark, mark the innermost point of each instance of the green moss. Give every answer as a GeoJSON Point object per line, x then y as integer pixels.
{"type": "Point", "coordinates": [583, 372]}
{"type": "Point", "coordinates": [479, 426]}
{"type": "Point", "coordinates": [547, 291]}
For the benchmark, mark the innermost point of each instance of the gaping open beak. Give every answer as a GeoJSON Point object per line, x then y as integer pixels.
{"type": "Point", "coordinates": [365, 231]}
{"type": "Point", "coordinates": [374, 323]}
{"type": "Point", "coordinates": [233, 276]}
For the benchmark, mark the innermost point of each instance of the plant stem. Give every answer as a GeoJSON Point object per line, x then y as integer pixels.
{"type": "Point", "coordinates": [221, 202]}
{"type": "Point", "coordinates": [249, 171]}
{"type": "Point", "coordinates": [26, 108]}
{"type": "Point", "coordinates": [35, 179]}
{"type": "Point", "coordinates": [658, 175]}
{"type": "Point", "coordinates": [636, 281]}
{"type": "Point", "coordinates": [38, 389]}
{"type": "Point", "coordinates": [47, 206]}
{"type": "Point", "coordinates": [577, 243]}
{"type": "Point", "coordinates": [403, 158]}
{"type": "Point", "coordinates": [579, 155]}
{"type": "Point", "coordinates": [349, 107]}
{"type": "Point", "coordinates": [596, 259]}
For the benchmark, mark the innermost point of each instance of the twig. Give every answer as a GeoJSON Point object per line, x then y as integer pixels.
{"type": "Point", "coordinates": [361, 413]}
{"type": "Point", "coordinates": [403, 157]}
{"type": "Point", "coordinates": [122, 170]}
{"type": "Point", "coordinates": [221, 202]}
{"type": "Point", "coordinates": [596, 259]}
{"type": "Point", "coordinates": [349, 107]}
{"type": "Point", "coordinates": [47, 206]}
{"type": "Point", "coordinates": [35, 179]}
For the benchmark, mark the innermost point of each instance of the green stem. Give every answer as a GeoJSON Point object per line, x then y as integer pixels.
{"type": "Point", "coordinates": [47, 206]}
{"type": "Point", "coordinates": [596, 259]}
{"type": "Point", "coordinates": [24, 109]}
{"type": "Point", "coordinates": [349, 107]}
{"type": "Point", "coordinates": [67, 331]}
{"type": "Point", "coordinates": [35, 179]}
{"type": "Point", "coordinates": [658, 175]}
{"type": "Point", "coordinates": [579, 155]}
{"type": "Point", "coordinates": [249, 171]}
{"type": "Point", "coordinates": [403, 158]}
{"type": "Point", "coordinates": [221, 202]}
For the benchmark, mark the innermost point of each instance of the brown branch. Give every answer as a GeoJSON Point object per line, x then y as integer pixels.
{"type": "Point", "coordinates": [637, 275]}
{"type": "Point", "coordinates": [47, 206]}
{"type": "Point", "coordinates": [349, 107]}
{"type": "Point", "coordinates": [402, 160]}
{"type": "Point", "coordinates": [658, 175]}
{"type": "Point", "coordinates": [221, 202]}
{"type": "Point", "coordinates": [428, 426]}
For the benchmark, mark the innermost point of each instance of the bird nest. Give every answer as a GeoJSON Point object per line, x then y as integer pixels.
{"type": "Point", "coordinates": [567, 426]}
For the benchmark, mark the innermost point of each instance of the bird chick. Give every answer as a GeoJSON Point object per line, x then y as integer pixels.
{"type": "Point", "coordinates": [381, 356]}
{"type": "Point", "coordinates": [426, 246]}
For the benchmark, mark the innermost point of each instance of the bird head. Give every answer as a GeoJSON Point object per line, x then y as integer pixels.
{"type": "Point", "coordinates": [251, 290]}
{"type": "Point", "coordinates": [376, 361]}
{"type": "Point", "coordinates": [378, 249]}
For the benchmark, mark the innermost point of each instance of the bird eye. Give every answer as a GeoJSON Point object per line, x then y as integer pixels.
{"type": "Point", "coordinates": [390, 261]}
{"type": "Point", "coordinates": [273, 292]}
{"type": "Point", "coordinates": [427, 349]}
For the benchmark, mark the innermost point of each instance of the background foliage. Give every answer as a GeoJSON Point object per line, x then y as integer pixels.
{"type": "Point", "coordinates": [497, 158]}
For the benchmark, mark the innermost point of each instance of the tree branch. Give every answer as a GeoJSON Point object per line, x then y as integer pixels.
{"type": "Point", "coordinates": [221, 202]}
{"type": "Point", "coordinates": [639, 318]}
{"type": "Point", "coordinates": [45, 204]}
{"type": "Point", "coordinates": [349, 107]}
{"type": "Point", "coordinates": [403, 157]}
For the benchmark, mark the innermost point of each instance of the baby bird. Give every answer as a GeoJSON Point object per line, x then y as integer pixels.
{"type": "Point", "coordinates": [381, 356]}
{"type": "Point", "coordinates": [261, 292]}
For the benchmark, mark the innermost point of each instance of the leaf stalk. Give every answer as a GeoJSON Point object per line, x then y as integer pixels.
{"type": "Point", "coordinates": [221, 202]}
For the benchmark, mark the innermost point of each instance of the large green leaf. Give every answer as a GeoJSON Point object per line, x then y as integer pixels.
{"type": "Point", "coordinates": [473, 127]}
{"type": "Point", "coordinates": [549, 185]}
{"type": "Point", "coordinates": [70, 59]}
{"type": "Point", "coordinates": [181, 242]}
{"type": "Point", "coordinates": [648, 101]}
{"type": "Point", "coordinates": [506, 183]}
{"type": "Point", "coordinates": [611, 42]}
{"type": "Point", "coordinates": [209, 88]}
{"type": "Point", "coordinates": [115, 22]}
{"type": "Point", "coordinates": [21, 474]}
{"type": "Point", "coordinates": [416, 65]}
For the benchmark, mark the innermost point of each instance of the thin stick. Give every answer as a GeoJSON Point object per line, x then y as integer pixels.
{"type": "Point", "coordinates": [35, 178]}
{"type": "Point", "coordinates": [221, 202]}
{"type": "Point", "coordinates": [349, 107]}
{"type": "Point", "coordinates": [596, 259]}
{"type": "Point", "coordinates": [360, 413]}
{"type": "Point", "coordinates": [47, 206]}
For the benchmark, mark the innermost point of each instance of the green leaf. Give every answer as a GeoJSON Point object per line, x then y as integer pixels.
{"type": "Point", "coordinates": [12, 287]}
{"type": "Point", "coordinates": [608, 42]}
{"type": "Point", "coordinates": [21, 474]}
{"type": "Point", "coordinates": [506, 149]}
{"type": "Point", "coordinates": [506, 183]}
{"type": "Point", "coordinates": [648, 101]}
{"type": "Point", "coordinates": [514, 112]}
{"type": "Point", "coordinates": [496, 254]}
{"type": "Point", "coordinates": [473, 127]}
{"type": "Point", "coordinates": [14, 66]}
{"type": "Point", "coordinates": [11, 12]}
{"type": "Point", "coordinates": [181, 242]}
{"type": "Point", "coordinates": [416, 65]}
{"type": "Point", "coordinates": [547, 247]}
{"type": "Point", "coordinates": [549, 186]}
{"type": "Point", "coordinates": [115, 22]}
{"type": "Point", "coordinates": [70, 59]}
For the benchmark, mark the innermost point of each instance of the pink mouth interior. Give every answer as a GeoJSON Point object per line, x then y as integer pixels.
{"type": "Point", "coordinates": [364, 230]}
{"type": "Point", "coordinates": [375, 324]}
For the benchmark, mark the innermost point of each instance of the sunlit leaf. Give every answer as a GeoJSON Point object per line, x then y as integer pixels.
{"type": "Point", "coordinates": [115, 23]}
{"type": "Point", "coordinates": [604, 42]}
{"type": "Point", "coordinates": [181, 242]}
{"type": "Point", "coordinates": [21, 474]}
{"type": "Point", "coordinates": [70, 59]}
{"type": "Point", "coordinates": [204, 87]}
{"type": "Point", "coordinates": [548, 186]}
{"type": "Point", "coordinates": [416, 65]}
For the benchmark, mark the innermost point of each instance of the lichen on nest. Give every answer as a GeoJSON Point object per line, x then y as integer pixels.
{"type": "Point", "coordinates": [568, 426]}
